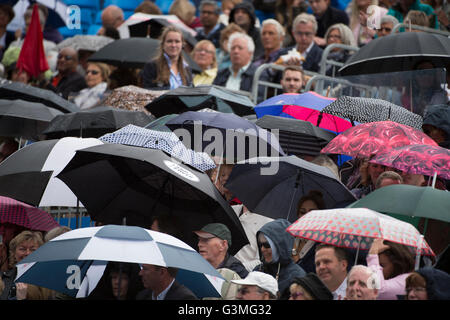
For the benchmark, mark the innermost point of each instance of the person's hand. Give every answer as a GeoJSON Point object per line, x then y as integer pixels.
{"type": "Point", "coordinates": [378, 246]}
{"type": "Point", "coordinates": [362, 18]}
{"type": "Point", "coordinates": [321, 42]}
{"type": "Point", "coordinates": [293, 62]}
{"type": "Point", "coordinates": [21, 291]}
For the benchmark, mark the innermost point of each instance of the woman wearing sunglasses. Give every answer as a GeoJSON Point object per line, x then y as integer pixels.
{"type": "Point", "coordinates": [97, 77]}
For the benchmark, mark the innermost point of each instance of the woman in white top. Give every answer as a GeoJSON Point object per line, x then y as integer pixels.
{"type": "Point", "coordinates": [97, 76]}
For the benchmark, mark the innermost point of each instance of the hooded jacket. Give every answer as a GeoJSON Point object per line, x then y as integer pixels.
{"type": "Point", "coordinates": [253, 32]}
{"type": "Point", "coordinates": [437, 283]}
{"type": "Point", "coordinates": [284, 269]}
{"type": "Point", "coordinates": [439, 116]}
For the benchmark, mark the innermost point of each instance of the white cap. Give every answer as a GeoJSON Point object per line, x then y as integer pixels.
{"type": "Point", "coordinates": [263, 280]}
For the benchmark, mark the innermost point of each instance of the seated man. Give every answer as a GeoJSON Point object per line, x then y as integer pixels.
{"type": "Point", "coordinates": [362, 284]}
{"type": "Point", "coordinates": [272, 36]}
{"type": "Point", "coordinates": [112, 17]}
{"type": "Point", "coordinates": [292, 79]}
{"type": "Point", "coordinates": [214, 239]}
{"type": "Point", "coordinates": [209, 17]}
{"type": "Point", "coordinates": [257, 286]}
{"type": "Point", "coordinates": [239, 76]}
{"type": "Point", "coordinates": [160, 284]}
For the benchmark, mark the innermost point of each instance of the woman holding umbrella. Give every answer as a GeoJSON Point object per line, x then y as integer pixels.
{"type": "Point", "coordinates": [168, 70]}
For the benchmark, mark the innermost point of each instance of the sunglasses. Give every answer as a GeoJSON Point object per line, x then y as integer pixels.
{"type": "Point", "coordinates": [94, 72]}
{"type": "Point", "coordinates": [264, 244]}
{"type": "Point", "coordinates": [297, 294]}
{"type": "Point", "coordinates": [386, 29]}
{"type": "Point", "coordinates": [66, 57]}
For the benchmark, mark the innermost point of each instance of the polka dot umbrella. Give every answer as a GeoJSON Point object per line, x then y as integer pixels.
{"type": "Point", "coordinates": [356, 228]}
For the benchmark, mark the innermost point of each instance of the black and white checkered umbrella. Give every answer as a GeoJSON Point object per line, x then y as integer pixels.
{"type": "Point", "coordinates": [370, 110]}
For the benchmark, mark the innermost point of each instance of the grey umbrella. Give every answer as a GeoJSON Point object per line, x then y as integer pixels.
{"type": "Point", "coordinates": [85, 42]}
{"type": "Point", "coordinates": [370, 110]}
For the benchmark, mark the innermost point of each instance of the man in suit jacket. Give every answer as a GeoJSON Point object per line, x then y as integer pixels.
{"type": "Point", "coordinates": [304, 28]}
{"type": "Point", "coordinates": [160, 284]}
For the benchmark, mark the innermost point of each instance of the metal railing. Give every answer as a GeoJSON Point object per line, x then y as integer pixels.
{"type": "Point", "coordinates": [324, 62]}
{"type": "Point", "coordinates": [316, 84]}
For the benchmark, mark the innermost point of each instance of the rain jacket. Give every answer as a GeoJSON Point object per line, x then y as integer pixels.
{"type": "Point", "coordinates": [439, 116]}
{"type": "Point", "coordinates": [437, 283]}
{"type": "Point", "coordinates": [285, 269]}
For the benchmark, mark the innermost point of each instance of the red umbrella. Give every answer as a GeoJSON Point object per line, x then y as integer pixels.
{"type": "Point", "coordinates": [22, 214]}
{"type": "Point", "coordinates": [417, 159]}
{"type": "Point", "coordinates": [367, 139]}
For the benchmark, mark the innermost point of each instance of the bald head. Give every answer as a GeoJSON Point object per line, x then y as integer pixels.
{"type": "Point", "coordinates": [67, 60]}
{"type": "Point", "coordinates": [112, 17]}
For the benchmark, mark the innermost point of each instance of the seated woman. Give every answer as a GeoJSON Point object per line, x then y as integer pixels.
{"type": "Point", "coordinates": [97, 77]}
{"type": "Point", "coordinates": [168, 70]}
{"type": "Point", "coordinates": [204, 54]}
{"type": "Point", "coordinates": [339, 33]}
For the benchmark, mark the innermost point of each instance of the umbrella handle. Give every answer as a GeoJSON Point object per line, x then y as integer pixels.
{"type": "Point", "coordinates": [418, 252]}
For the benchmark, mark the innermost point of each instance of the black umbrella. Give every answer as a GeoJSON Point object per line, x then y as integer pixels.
{"type": "Point", "coordinates": [297, 137]}
{"type": "Point", "coordinates": [398, 52]}
{"type": "Point", "coordinates": [94, 122]}
{"type": "Point", "coordinates": [132, 53]}
{"type": "Point", "coordinates": [214, 97]}
{"type": "Point", "coordinates": [371, 110]}
{"type": "Point", "coordinates": [12, 90]}
{"type": "Point", "coordinates": [19, 118]}
{"type": "Point", "coordinates": [273, 186]}
{"type": "Point", "coordinates": [224, 135]}
{"type": "Point", "coordinates": [116, 181]}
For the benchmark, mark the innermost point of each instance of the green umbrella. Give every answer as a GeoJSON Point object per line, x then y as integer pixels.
{"type": "Point", "coordinates": [408, 203]}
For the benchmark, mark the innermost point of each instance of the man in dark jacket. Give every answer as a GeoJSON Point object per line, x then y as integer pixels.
{"type": "Point", "coordinates": [240, 74]}
{"type": "Point", "coordinates": [214, 239]}
{"type": "Point", "coordinates": [326, 16]}
{"type": "Point", "coordinates": [243, 14]}
{"type": "Point", "coordinates": [275, 246]}
{"type": "Point", "coordinates": [160, 284]}
{"type": "Point", "coordinates": [209, 17]}
{"type": "Point", "coordinates": [68, 79]}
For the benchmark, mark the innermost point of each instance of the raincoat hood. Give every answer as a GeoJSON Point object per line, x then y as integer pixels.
{"type": "Point", "coordinates": [438, 283]}
{"type": "Point", "coordinates": [438, 116]}
{"type": "Point", "coordinates": [247, 6]}
{"type": "Point", "coordinates": [283, 241]}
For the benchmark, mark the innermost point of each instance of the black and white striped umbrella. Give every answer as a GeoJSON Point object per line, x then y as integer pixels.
{"type": "Point", "coordinates": [29, 174]}
{"type": "Point", "coordinates": [74, 262]}
{"type": "Point", "coordinates": [370, 110]}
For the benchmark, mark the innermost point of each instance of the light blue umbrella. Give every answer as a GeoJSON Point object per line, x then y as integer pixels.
{"type": "Point", "coordinates": [166, 141]}
{"type": "Point", "coordinates": [74, 262]}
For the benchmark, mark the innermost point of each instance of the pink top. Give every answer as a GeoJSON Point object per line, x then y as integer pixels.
{"type": "Point", "coordinates": [389, 289]}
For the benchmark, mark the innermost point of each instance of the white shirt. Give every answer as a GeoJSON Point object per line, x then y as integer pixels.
{"type": "Point", "coordinates": [340, 292]}
{"type": "Point", "coordinates": [234, 82]}
{"type": "Point", "coordinates": [163, 294]}
{"type": "Point", "coordinates": [305, 54]}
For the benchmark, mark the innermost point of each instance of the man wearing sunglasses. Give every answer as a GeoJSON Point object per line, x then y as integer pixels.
{"type": "Point", "coordinates": [68, 79]}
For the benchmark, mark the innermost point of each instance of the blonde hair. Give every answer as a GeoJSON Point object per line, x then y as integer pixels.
{"type": "Point", "coordinates": [228, 31]}
{"type": "Point", "coordinates": [26, 235]}
{"type": "Point", "coordinates": [184, 10]}
{"type": "Point", "coordinates": [418, 18]}
{"type": "Point", "coordinates": [206, 42]}
{"type": "Point", "coordinates": [105, 71]}
{"type": "Point", "coordinates": [354, 16]}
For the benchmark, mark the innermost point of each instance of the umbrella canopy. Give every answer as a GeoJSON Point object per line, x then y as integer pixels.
{"type": "Point", "coordinates": [370, 110]}
{"type": "Point", "coordinates": [55, 265]}
{"type": "Point", "coordinates": [306, 106]}
{"type": "Point", "coordinates": [58, 11]}
{"type": "Point", "coordinates": [368, 139]}
{"type": "Point", "coordinates": [417, 159]}
{"type": "Point", "coordinates": [184, 99]}
{"type": "Point", "coordinates": [406, 200]}
{"type": "Point", "coordinates": [22, 214]}
{"type": "Point", "coordinates": [132, 53]}
{"type": "Point", "coordinates": [94, 122]}
{"type": "Point", "coordinates": [29, 174]}
{"type": "Point", "coordinates": [356, 228]}
{"type": "Point", "coordinates": [159, 124]}
{"type": "Point", "coordinates": [399, 52]}
{"type": "Point", "coordinates": [235, 138]}
{"type": "Point", "coordinates": [106, 177]}
{"type": "Point", "coordinates": [167, 141]}
{"type": "Point", "coordinates": [273, 186]}
{"type": "Point", "coordinates": [12, 90]}
{"type": "Point", "coordinates": [19, 118]}
{"type": "Point", "coordinates": [297, 137]}
{"type": "Point", "coordinates": [132, 98]}
{"type": "Point", "coordinates": [85, 42]}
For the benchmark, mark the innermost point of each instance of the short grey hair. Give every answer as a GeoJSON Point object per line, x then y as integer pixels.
{"type": "Point", "coordinates": [305, 18]}
{"type": "Point", "coordinates": [237, 35]}
{"type": "Point", "coordinates": [373, 282]}
{"type": "Point", "coordinates": [210, 3]}
{"type": "Point", "coordinates": [277, 25]}
{"type": "Point", "coordinates": [389, 19]}
{"type": "Point", "coordinates": [388, 175]}
{"type": "Point", "coordinates": [345, 32]}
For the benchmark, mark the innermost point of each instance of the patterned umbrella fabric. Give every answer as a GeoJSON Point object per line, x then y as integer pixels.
{"type": "Point", "coordinates": [307, 106]}
{"type": "Point", "coordinates": [356, 227]}
{"type": "Point", "coordinates": [85, 42]}
{"type": "Point", "coordinates": [73, 263]}
{"type": "Point", "coordinates": [370, 110]}
{"type": "Point", "coordinates": [417, 159]}
{"type": "Point", "coordinates": [371, 138]}
{"type": "Point", "coordinates": [167, 141]}
{"type": "Point", "coordinates": [22, 214]}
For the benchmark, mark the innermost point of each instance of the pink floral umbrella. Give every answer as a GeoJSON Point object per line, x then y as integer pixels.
{"type": "Point", "coordinates": [417, 159]}
{"type": "Point", "coordinates": [356, 228]}
{"type": "Point", "coordinates": [371, 138]}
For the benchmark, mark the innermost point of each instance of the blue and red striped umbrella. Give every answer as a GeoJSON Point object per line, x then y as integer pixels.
{"type": "Point", "coordinates": [22, 214]}
{"type": "Point", "coordinates": [305, 106]}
